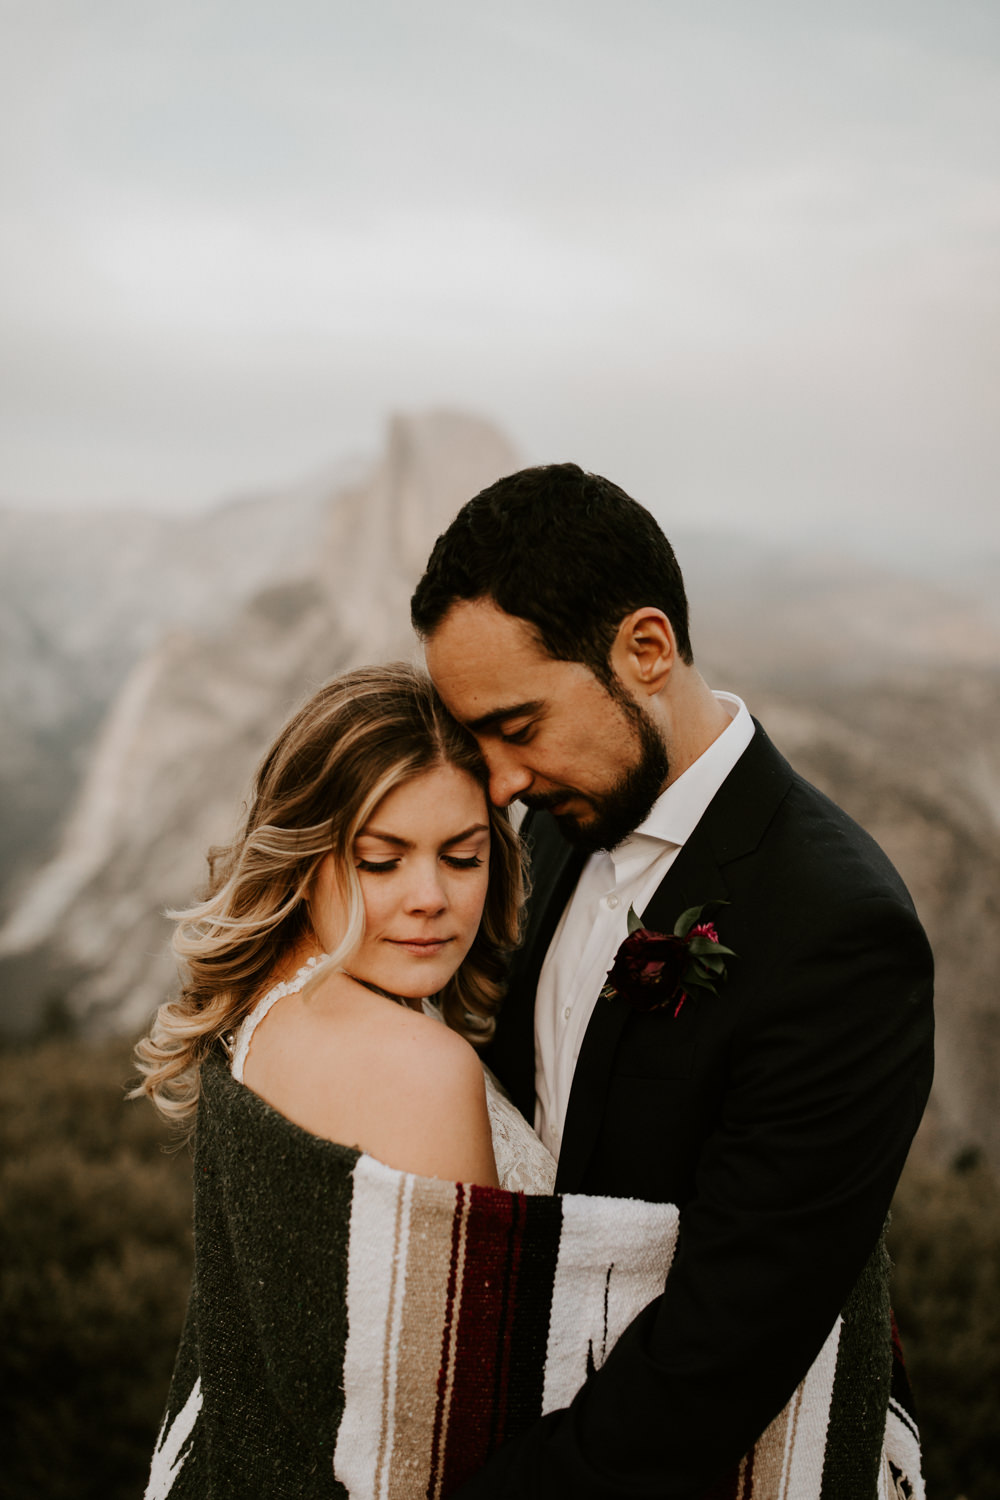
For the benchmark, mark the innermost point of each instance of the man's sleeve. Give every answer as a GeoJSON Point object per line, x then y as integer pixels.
{"type": "Point", "coordinates": [828, 1077]}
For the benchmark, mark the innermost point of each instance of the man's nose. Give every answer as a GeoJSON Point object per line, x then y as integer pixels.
{"type": "Point", "coordinates": [508, 778]}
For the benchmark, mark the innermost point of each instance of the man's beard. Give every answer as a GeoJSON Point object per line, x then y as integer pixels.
{"type": "Point", "coordinates": [619, 811]}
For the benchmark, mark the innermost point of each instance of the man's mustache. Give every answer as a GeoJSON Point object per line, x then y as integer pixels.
{"type": "Point", "coordinates": [546, 801]}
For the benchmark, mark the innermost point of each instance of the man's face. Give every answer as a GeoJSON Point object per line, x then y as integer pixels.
{"type": "Point", "coordinates": [552, 735]}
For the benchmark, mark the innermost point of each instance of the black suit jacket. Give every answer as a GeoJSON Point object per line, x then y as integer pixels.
{"type": "Point", "coordinates": [776, 1114]}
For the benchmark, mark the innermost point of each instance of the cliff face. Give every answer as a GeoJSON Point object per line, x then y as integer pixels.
{"type": "Point", "coordinates": [885, 693]}
{"type": "Point", "coordinates": [881, 690]}
{"type": "Point", "coordinates": [197, 710]}
{"type": "Point", "coordinates": [82, 599]}
{"type": "Point", "coordinates": [937, 819]}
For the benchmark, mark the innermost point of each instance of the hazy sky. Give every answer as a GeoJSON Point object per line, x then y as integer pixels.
{"type": "Point", "coordinates": [745, 259]}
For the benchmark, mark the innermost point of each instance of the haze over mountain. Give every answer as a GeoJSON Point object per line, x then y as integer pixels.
{"type": "Point", "coordinates": [84, 596]}
{"type": "Point", "coordinates": [318, 583]}
{"type": "Point", "coordinates": [176, 649]}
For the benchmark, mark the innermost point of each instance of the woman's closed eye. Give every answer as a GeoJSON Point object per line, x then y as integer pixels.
{"type": "Point", "coordinates": [453, 861]}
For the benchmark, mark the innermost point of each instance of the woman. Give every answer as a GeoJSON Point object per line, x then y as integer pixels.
{"type": "Point", "coordinates": [371, 872]}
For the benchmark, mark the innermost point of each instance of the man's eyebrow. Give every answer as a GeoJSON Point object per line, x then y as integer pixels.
{"type": "Point", "coordinates": [400, 843]}
{"type": "Point", "coordinates": [496, 716]}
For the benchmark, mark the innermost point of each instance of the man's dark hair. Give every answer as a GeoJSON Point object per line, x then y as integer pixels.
{"type": "Point", "coordinates": [567, 551]}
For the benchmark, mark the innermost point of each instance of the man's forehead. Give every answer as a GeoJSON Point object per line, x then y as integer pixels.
{"type": "Point", "coordinates": [486, 664]}
{"type": "Point", "coordinates": [484, 613]}
{"type": "Point", "coordinates": [477, 635]}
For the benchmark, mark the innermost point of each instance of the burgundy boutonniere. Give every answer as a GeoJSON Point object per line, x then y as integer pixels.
{"type": "Point", "coordinates": [654, 970]}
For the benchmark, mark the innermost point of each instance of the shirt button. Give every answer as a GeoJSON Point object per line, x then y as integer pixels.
{"type": "Point", "coordinates": [613, 901]}
{"type": "Point", "coordinates": [566, 1012]}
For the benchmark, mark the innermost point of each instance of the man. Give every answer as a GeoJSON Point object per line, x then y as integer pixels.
{"type": "Point", "coordinates": [776, 1112]}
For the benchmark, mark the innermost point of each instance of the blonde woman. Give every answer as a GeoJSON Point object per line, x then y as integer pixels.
{"type": "Point", "coordinates": [371, 873]}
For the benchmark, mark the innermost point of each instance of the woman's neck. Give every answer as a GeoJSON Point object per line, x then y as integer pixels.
{"type": "Point", "coordinates": [376, 989]}
{"type": "Point", "coordinates": [309, 950]}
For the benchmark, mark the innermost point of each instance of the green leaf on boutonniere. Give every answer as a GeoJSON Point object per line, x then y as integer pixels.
{"type": "Point", "coordinates": [700, 946]}
{"type": "Point", "coordinates": [687, 920]}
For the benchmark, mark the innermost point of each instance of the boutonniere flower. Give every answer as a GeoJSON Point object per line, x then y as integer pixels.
{"type": "Point", "coordinates": [657, 970]}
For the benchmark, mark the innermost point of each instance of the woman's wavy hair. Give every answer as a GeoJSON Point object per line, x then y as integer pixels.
{"type": "Point", "coordinates": [355, 740]}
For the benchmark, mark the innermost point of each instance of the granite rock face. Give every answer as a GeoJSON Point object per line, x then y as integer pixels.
{"type": "Point", "coordinates": [83, 598]}
{"type": "Point", "coordinates": [198, 706]}
{"type": "Point", "coordinates": [884, 692]}
{"type": "Point", "coordinates": [939, 822]}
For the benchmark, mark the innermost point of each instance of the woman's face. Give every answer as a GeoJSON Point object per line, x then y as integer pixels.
{"type": "Point", "coordinates": [423, 862]}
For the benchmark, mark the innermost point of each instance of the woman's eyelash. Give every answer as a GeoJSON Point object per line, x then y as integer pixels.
{"type": "Point", "coordinates": [456, 861]}
{"type": "Point", "coordinates": [380, 866]}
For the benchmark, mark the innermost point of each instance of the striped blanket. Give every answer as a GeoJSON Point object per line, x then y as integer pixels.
{"type": "Point", "coordinates": [357, 1331]}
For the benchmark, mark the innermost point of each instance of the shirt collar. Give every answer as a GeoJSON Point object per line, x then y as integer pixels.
{"type": "Point", "coordinates": [679, 809]}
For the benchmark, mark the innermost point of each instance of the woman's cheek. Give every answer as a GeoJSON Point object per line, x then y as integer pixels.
{"type": "Point", "coordinates": [374, 894]}
{"type": "Point", "coordinates": [477, 904]}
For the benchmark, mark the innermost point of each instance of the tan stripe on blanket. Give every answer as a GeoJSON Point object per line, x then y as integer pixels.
{"type": "Point", "coordinates": [769, 1453]}
{"type": "Point", "coordinates": [422, 1329]}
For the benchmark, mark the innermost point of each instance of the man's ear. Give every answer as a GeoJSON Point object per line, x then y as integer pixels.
{"type": "Point", "coordinates": [644, 650]}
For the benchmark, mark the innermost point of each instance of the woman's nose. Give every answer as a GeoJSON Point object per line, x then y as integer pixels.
{"type": "Point", "coordinates": [426, 891]}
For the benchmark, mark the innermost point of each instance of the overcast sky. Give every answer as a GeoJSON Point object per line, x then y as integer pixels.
{"type": "Point", "coordinates": [743, 258]}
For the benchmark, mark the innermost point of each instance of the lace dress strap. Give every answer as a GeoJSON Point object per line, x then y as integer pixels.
{"type": "Point", "coordinates": [249, 1024]}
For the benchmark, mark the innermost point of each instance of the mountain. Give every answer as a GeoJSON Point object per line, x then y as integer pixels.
{"type": "Point", "coordinates": [82, 599]}
{"type": "Point", "coordinates": [880, 753]}
{"type": "Point", "coordinates": [882, 689]}
{"type": "Point", "coordinates": [184, 731]}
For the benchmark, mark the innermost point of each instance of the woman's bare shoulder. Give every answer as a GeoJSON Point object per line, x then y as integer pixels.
{"type": "Point", "coordinates": [393, 1042]}
{"type": "Point", "coordinates": [397, 1083]}
{"type": "Point", "coordinates": [409, 1036]}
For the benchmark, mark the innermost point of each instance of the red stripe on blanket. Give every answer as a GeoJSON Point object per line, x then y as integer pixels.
{"type": "Point", "coordinates": [482, 1351]}
{"type": "Point", "coordinates": [451, 1312]}
{"type": "Point", "coordinates": [507, 1374]}
{"type": "Point", "coordinates": [508, 1302]}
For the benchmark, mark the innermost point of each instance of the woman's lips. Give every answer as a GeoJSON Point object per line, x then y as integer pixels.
{"type": "Point", "coordinates": [421, 947]}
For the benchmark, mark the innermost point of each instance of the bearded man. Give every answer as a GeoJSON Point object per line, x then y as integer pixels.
{"type": "Point", "coordinates": [772, 1093]}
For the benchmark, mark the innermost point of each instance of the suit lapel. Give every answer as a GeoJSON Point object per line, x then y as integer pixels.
{"type": "Point", "coordinates": [732, 825]}
{"type": "Point", "coordinates": [693, 878]}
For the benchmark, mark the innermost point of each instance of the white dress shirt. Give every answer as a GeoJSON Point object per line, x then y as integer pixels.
{"type": "Point", "coordinates": [595, 921]}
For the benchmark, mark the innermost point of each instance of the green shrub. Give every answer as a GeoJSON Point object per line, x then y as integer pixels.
{"type": "Point", "coordinates": [97, 1264]}
{"type": "Point", "coordinates": [945, 1242]}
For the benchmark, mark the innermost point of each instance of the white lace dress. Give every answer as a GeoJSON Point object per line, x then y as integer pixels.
{"type": "Point", "coordinates": [523, 1163]}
